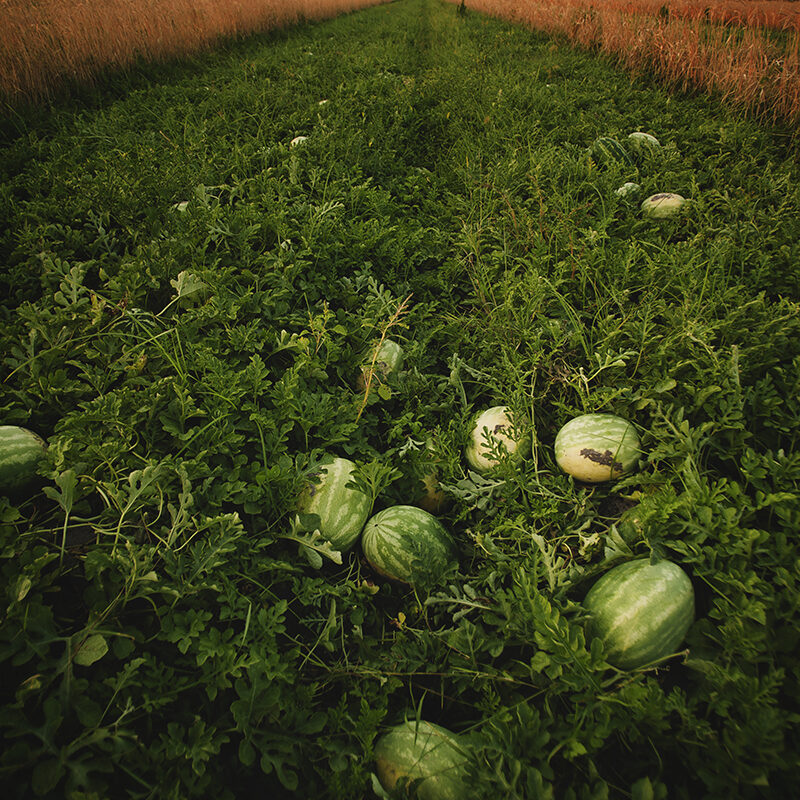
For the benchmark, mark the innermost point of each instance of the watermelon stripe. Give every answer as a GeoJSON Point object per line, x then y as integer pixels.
{"type": "Point", "coordinates": [21, 451]}
{"type": "Point", "coordinates": [606, 149]}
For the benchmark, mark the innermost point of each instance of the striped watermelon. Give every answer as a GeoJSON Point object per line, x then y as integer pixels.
{"type": "Point", "coordinates": [342, 509]}
{"type": "Point", "coordinates": [663, 205]}
{"type": "Point", "coordinates": [643, 144]}
{"type": "Point", "coordinates": [641, 611]}
{"type": "Point", "coordinates": [498, 424]}
{"type": "Point", "coordinates": [430, 756]}
{"type": "Point", "coordinates": [407, 544]}
{"type": "Point", "coordinates": [21, 451]}
{"type": "Point", "coordinates": [606, 150]}
{"type": "Point", "coordinates": [390, 359]}
{"type": "Point", "coordinates": [597, 447]}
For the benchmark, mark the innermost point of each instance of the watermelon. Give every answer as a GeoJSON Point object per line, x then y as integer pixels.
{"type": "Point", "coordinates": [498, 424]}
{"type": "Point", "coordinates": [430, 496]}
{"type": "Point", "coordinates": [342, 509]}
{"type": "Point", "coordinates": [597, 447]}
{"type": "Point", "coordinates": [607, 150]}
{"type": "Point", "coordinates": [389, 359]}
{"type": "Point", "coordinates": [641, 611]}
{"type": "Point", "coordinates": [428, 758]}
{"type": "Point", "coordinates": [643, 144]}
{"type": "Point", "coordinates": [432, 499]}
{"type": "Point", "coordinates": [21, 451]}
{"type": "Point", "coordinates": [407, 544]}
{"type": "Point", "coordinates": [663, 205]}
{"type": "Point", "coordinates": [628, 189]}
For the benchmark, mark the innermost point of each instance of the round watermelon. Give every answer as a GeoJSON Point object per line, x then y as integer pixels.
{"type": "Point", "coordinates": [428, 759]}
{"type": "Point", "coordinates": [641, 611]}
{"type": "Point", "coordinates": [663, 205]}
{"type": "Point", "coordinates": [492, 428]}
{"type": "Point", "coordinates": [407, 544]}
{"type": "Point", "coordinates": [597, 447]}
{"type": "Point", "coordinates": [388, 360]}
{"type": "Point", "coordinates": [431, 498]}
{"type": "Point", "coordinates": [21, 451]}
{"type": "Point", "coordinates": [607, 149]}
{"type": "Point", "coordinates": [643, 144]}
{"type": "Point", "coordinates": [628, 189]}
{"type": "Point", "coordinates": [342, 509]}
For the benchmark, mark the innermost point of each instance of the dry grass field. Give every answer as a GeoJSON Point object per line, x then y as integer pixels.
{"type": "Point", "coordinates": [738, 57]}
{"type": "Point", "coordinates": [44, 43]}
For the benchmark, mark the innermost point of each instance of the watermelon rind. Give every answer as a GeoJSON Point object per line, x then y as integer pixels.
{"type": "Point", "coordinates": [663, 205]}
{"type": "Point", "coordinates": [607, 150]}
{"type": "Point", "coordinates": [493, 432]}
{"type": "Point", "coordinates": [342, 510]}
{"type": "Point", "coordinates": [597, 447]}
{"type": "Point", "coordinates": [641, 611]}
{"type": "Point", "coordinates": [21, 450]}
{"type": "Point", "coordinates": [425, 757]}
{"type": "Point", "coordinates": [408, 544]}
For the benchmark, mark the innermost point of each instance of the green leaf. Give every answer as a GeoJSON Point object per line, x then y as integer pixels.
{"type": "Point", "coordinates": [91, 650]}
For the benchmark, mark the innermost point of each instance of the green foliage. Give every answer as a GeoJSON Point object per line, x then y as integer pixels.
{"type": "Point", "coordinates": [169, 627]}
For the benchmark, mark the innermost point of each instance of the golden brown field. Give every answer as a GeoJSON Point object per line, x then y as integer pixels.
{"type": "Point", "coordinates": [737, 58]}
{"type": "Point", "coordinates": [44, 43]}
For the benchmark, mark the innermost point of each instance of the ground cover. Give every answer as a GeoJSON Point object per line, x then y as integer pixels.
{"type": "Point", "coordinates": [189, 301]}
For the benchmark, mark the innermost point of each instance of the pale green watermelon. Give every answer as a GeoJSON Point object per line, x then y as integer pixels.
{"type": "Point", "coordinates": [498, 424]}
{"type": "Point", "coordinates": [21, 451]}
{"type": "Point", "coordinates": [641, 611]}
{"type": "Point", "coordinates": [663, 205]}
{"type": "Point", "coordinates": [342, 509]}
{"type": "Point", "coordinates": [597, 447]}
{"type": "Point", "coordinates": [389, 359]}
{"type": "Point", "coordinates": [407, 544]}
{"type": "Point", "coordinates": [425, 756]}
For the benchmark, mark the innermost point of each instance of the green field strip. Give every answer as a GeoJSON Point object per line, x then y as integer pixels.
{"type": "Point", "coordinates": [187, 300]}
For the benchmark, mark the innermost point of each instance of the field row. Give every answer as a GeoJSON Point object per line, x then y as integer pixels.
{"type": "Point", "coordinates": [198, 266]}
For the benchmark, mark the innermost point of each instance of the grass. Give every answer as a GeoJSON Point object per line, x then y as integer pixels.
{"type": "Point", "coordinates": [169, 631]}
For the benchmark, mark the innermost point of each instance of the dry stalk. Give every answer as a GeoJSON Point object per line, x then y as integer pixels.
{"type": "Point", "coordinates": [369, 372]}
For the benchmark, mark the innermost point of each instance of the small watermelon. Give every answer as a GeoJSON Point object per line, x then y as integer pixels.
{"type": "Point", "coordinates": [407, 544]}
{"type": "Point", "coordinates": [431, 498]}
{"type": "Point", "coordinates": [498, 424]}
{"type": "Point", "coordinates": [342, 509]}
{"type": "Point", "coordinates": [643, 144]}
{"type": "Point", "coordinates": [663, 205]}
{"type": "Point", "coordinates": [607, 150]}
{"type": "Point", "coordinates": [628, 189]}
{"type": "Point", "coordinates": [21, 451]}
{"type": "Point", "coordinates": [597, 447]}
{"type": "Point", "coordinates": [641, 611]}
{"type": "Point", "coordinates": [429, 759]}
{"type": "Point", "coordinates": [388, 360]}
